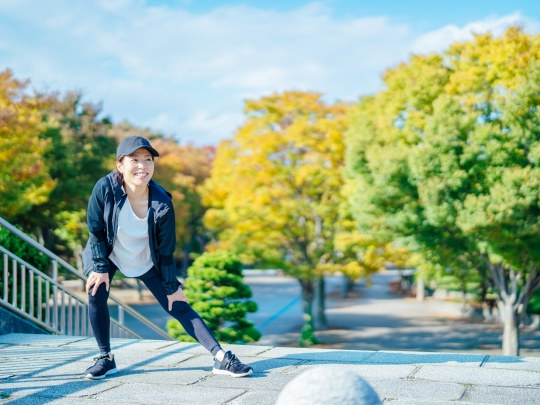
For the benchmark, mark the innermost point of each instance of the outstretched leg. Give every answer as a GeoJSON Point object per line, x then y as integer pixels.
{"type": "Point", "coordinates": [181, 311]}
{"type": "Point", "coordinates": [226, 362]}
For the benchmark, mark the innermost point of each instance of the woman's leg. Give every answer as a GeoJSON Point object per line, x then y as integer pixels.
{"type": "Point", "coordinates": [182, 311]}
{"type": "Point", "coordinates": [98, 312]}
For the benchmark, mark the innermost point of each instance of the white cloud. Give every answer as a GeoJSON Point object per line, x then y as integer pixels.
{"type": "Point", "coordinates": [187, 73]}
{"type": "Point", "coordinates": [441, 38]}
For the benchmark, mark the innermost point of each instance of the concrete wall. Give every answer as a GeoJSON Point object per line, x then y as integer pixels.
{"type": "Point", "coordinates": [11, 323]}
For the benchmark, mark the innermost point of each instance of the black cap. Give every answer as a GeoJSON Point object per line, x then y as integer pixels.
{"type": "Point", "coordinates": [132, 143]}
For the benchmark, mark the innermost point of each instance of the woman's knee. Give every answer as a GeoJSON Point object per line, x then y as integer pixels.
{"type": "Point", "coordinates": [101, 297]}
{"type": "Point", "coordinates": [180, 308]}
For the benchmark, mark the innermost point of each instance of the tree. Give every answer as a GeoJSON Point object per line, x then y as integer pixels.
{"type": "Point", "coordinates": [432, 155]}
{"type": "Point", "coordinates": [275, 190]}
{"type": "Point", "coordinates": [79, 151]}
{"type": "Point", "coordinates": [216, 292]}
{"type": "Point", "coordinates": [24, 180]}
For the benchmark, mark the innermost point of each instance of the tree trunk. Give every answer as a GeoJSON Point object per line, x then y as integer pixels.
{"type": "Point", "coordinates": [463, 298]}
{"type": "Point", "coordinates": [420, 289]}
{"type": "Point", "coordinates": [511, 330]}
{"type": "Point", "coordinates": [321, 304]}
{"type": "Point", "coordinates": [307, 337]}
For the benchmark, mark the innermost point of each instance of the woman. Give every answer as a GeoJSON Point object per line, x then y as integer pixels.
{"type": "Point", "coordinates": [132, 229]}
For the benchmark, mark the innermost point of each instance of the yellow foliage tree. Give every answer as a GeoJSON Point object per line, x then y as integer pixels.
{"type": "Point", "coordinates": [23, 180]}
{"type": "Point", "coordinates": [275, 192]}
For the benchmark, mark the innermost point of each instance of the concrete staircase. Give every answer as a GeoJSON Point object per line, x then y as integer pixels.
{"type": "Point", "coordinates": [46, 369]}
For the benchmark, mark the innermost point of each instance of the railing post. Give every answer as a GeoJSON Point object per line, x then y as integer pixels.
{"type": "Point", "coordinates": [6, 265]}
{"type": "Point", "coordinates": [55, 293]}
{"type": "Point", "coordinates": [121, 320]}
{"type": "Point", "coordinates": [14, 295]}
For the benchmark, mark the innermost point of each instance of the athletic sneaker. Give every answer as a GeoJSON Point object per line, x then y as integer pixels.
{"type": "Point", "coordinates": [104, 366]}
{"type": "Point", "coordinates": [231, 366]}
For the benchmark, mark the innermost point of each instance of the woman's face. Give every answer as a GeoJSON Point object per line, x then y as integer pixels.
{"type": "Point", "coordinates": [137, 168]}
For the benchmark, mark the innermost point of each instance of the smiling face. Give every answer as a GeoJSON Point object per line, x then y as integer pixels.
{"type": "Point", "coordinates": [137, 168]}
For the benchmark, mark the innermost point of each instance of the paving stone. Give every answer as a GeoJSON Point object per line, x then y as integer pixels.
{"type": "Point", "coordinates": [424, 390]}
{"type": "Point", "coordinates": [367, 371]}
{"type": "Point", "coordinates": [180, 347]}
{"type": "Point", "coordinates": [29, 366]}
{"type": "Point", "coordinates": [513, 363]}
{"type": "Point", "coordinates": [141, 359]}
{"type": "Point", "coordinates": [239, 350]}
{"type": "Point", "coordinates": [259, 365]}
{"type": "Point", "coordinates": [393, 401]}
{"type": "Point", "coordinates": [38, 340]}
{"type": "Point", "coordinates": [123, 344]}
{"type": "Point", "coordinates": [462, 360]}
{"type": "Point", "coordinates": [23, 360]}
{"type": "Point", "coordinates": [507, 396]}
{"type": "Point", "coordinates": [65, 371]}
{"type": "Point", "coordinates": [156, 394]}
{"type": "Point", "coordinates": [54, 354]}
{"type": "Point", "coordinates": [37, 400]}
{"type": "Point", "coordinates": [163, 376]}
{"type": "Point", "coordinates": [481, 376]}
{"type": "Point", "coordinates": [316, 354]}
{"type": "Point", "coordinates": [55, 388]}
{"type": "Point", "coordinates": [274, 382]}
{"type": "Point", "coordinates": [256, 398]}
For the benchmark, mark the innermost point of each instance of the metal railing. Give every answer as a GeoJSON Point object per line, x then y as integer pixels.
{"type": "Point", "coordinates": [34, 295]}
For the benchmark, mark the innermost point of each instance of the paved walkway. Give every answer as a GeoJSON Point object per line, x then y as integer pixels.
{"type": "Point", "coordinates": [42, 369]}
{"type": "Point", "coordinates": [372, 318]}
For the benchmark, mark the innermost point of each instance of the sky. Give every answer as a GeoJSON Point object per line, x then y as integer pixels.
{"type": "Point", "coordinates": [184, 68]}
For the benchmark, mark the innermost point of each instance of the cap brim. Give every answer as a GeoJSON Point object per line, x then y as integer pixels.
{"type": "Point", "coordinates": [152, 151]}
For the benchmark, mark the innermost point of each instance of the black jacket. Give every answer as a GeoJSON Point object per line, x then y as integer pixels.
{"type": "Point", "coordinates": [104, 206]}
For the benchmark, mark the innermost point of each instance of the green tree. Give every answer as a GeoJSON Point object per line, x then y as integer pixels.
{"type": "Point", "coordinates": [216, 292]}
{"type": "Point", "coordinates": [79, 151]}
{"type": "Point", "coordinates": [444, 156]}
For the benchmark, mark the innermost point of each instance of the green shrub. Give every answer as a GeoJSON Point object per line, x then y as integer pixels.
{"type": "Point", "coordinates": [216, 292]}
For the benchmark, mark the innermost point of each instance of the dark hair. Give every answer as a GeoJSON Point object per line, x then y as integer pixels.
{"type": "Point", "coordinates": [119, 177]}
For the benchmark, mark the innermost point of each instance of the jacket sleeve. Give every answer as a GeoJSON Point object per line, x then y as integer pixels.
{"type": "Point", "coordinates": [96, 228]}
{"type": "Point", "coordinates": [166, 238]}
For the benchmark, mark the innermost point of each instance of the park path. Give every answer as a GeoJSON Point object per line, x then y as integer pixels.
{"type": "Point", "coordinates": [372, 318]}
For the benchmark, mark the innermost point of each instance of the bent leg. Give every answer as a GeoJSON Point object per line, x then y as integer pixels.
{"type": "Point", "coordinates": [181, 311]}
{"type": "Point", "coordinates": [98, 313]}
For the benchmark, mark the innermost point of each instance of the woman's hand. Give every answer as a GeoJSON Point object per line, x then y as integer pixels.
{"type": "Point", "coordinates": [177, 296]}
{"type": "Point", "coordinates": [95, 280]}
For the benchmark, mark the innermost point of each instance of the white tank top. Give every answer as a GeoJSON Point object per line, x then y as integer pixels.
{"type": "Point", "coordinates": [131, 252]}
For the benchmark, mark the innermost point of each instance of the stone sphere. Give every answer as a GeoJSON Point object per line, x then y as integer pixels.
{"type": "Point", "coordinates": [327, 386]}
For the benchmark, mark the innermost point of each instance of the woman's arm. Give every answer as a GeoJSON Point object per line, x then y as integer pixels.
{"type": "Point", "coordinates": [96, 229]}
{"type": "Point", "coordinates": [166, 238]}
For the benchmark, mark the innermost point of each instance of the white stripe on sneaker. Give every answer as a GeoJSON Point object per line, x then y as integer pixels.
{"type": "Point", "coordinates": [227, 372]}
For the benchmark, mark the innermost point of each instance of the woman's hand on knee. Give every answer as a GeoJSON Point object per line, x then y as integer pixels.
{"type": "Point", "coordinates": [95, 280]}
{"type": "Point", "coordinates": [177, 296]}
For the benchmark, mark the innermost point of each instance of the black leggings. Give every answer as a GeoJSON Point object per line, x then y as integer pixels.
{"type": "Point", "coordinates": [98, 312]}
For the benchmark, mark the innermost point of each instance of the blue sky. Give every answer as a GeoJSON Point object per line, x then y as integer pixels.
{"type": "Point", "coordinates": [185, 67]}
